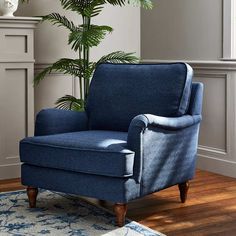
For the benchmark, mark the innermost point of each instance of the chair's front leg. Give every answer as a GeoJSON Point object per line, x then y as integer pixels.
{"type": "Point", "coordinates": [32, 196]}
{"type": "Point", "coordinates": [120, 211]}
{"type": "Point", "coordinates": [183, 189]}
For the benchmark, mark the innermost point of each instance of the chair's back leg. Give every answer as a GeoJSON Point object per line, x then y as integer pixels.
{"type": "Point", "coordinates": [32, 196]}
{"type": "Point", "coordinates": [120, 211]}
{"type": "Point", "coordinates": [183, 189]}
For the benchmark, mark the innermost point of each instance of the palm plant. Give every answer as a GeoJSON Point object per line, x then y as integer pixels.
{"type": "Point", "coordinates": [82, 38]}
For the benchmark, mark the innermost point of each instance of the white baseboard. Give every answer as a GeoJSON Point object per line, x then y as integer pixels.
{"type": "Point", "coordinates": [219, 166]}
{"type": "Point", "coordinates": [10, 171]}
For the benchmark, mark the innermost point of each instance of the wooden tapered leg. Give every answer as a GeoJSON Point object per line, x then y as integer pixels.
{"type": "Point", "coordinates": [183, 189]}
{"type": "Point", "coordinates": [32, 196]}
{"type": "Point", "coordinates": [120, 211]}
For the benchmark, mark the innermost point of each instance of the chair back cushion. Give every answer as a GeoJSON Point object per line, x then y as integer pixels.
{"type": "Point", "coordinates": [119, 92]}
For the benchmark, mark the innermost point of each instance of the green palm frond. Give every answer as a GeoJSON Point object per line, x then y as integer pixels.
{"type": "Point", "coordinates": [69, 66]}
{"type": "Point", "coordinates": [119, 57]}
{"type": "Point", "coordinates": [88, 72]}
{"type": "Point", "coordinates": [57, 19]}
{"type": "Point", "coordinates": [88, 37]}
{"type": "Point", "coordinates": [39, 77]}
{"type": "Point", "coordinates": [69, 102]}
{"type": "Point", "coordinates": [94, 8]}
{"type": "Point", "coordinates": [76, 5]}
{"type": "Point", "coordinates": [116, 2]}
{"type": "Point", "coordinates": [147, 4]}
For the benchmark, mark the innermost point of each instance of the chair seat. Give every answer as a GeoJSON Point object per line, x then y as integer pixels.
{"type": "Point", "coordinates": [93, 152]}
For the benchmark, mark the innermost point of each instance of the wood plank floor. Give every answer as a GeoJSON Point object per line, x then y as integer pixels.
{"type": "Point", "coordinates": [209, 210]}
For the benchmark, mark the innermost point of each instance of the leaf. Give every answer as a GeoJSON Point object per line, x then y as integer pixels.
{"type": "Point", "coordinates": [39, 77]}
{"type": "Point", "coordinates": [88, 73]}
{"type": "Point", "coordinates": [118, 57]}
{"type": "Point", "coordinates": [147, 4]}
{"type": "Point", "coordinates": [75, 5]}
{"type": "Point", "coordinates": [69, 102]}
{"type": "Point", "coordinates": [94, 8]}
{"type": "Point", "coordinates": [57, 19]}
{"type": "Point", "coordinates": [69, 66]}
{"type": "Point", "coordinates": [116, 2]}
{"type": "Point", "coordinates": [88, 37]}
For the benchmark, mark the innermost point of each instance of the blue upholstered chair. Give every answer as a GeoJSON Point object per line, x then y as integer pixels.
{"type": "Point", "coordinates": [138, 135]}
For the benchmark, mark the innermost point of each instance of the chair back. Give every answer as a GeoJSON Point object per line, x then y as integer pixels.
{"type": "Point", "coordinates": [119, 92]}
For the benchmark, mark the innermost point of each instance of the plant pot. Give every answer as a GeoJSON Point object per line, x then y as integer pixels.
{"type": "Point", "coordinates": [8, 7]}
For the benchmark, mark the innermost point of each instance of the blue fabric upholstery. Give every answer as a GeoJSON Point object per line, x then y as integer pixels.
{"type": "Point", "coordinates": [125, 91]}
{"type": "Point", "coordinates": [111, 189]}
{"type": "Point", "coordinates": [55, 121]}
{"type": "Point", "coordinates": [141, 129]}
{"type": "Point", "coordinates": [92, 152]}
{"type": "Point", "coordinates": [195, 107]}
{"type": "Point", "coordinates": [173, 159]}
{"type": "Point", "coordinates": [139, 134]}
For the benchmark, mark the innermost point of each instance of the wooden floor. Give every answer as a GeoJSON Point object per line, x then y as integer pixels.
{"type": "Point", "coordinates": [209, 210]}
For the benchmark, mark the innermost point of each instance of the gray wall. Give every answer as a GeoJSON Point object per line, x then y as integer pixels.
{"type": "Point", "coordinates": [182, 29]}
{"type": "Point", "coordinates": [192, 31]}
{"type": "Point", "coordinates": [51, 43]}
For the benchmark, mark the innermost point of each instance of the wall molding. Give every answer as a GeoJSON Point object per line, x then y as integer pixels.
{"type": "Point", "coordinates": [228, 29]}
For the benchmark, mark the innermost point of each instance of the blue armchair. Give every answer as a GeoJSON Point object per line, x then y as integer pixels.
{"type": "Point", "coordinates": [138, 135]}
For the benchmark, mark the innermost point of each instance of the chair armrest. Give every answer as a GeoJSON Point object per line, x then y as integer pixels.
{"type": "Point", "coordinates": [139, 134]}
{"type": "Point", "coordinates": [55, 121]}
{"type": "Point", "coordinates": [169, 123]}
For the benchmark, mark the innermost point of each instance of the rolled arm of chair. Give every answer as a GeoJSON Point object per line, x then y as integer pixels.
{"type": "Point", "coordinates": [140, 124]}
{"type": "Point", "coordinates": [55, 121]}
{"type": "Point", "coordinates": [169, 123]}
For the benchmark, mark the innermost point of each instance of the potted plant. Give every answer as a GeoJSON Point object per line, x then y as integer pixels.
{"type": "Point", "coordinates": [82, 38]}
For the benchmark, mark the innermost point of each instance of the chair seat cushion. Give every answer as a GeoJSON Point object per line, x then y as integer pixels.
{"type": "Point", "coordinates": [92, 152]}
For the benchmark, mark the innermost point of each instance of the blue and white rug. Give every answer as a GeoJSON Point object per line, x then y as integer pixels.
{"type": "Point", "coordinates": [59, 214]}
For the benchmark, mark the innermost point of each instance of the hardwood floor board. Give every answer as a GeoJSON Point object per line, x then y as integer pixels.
{"type": "Point", "coordinates": [187, 211]}
{"type": "Point", "coordinates": [228, 232]}
{"type": "Point", "coordinates": [204, 226]}
{"type": "Point", "coordinates": [196, 216]}
{"type": "Point", "coordinates": [157, 207]}
{"type": "Point", "coordinates": [194, 189]}
{"type": "Point", "coordinates": [194, 192]}
{"type": "Point", "coordinates": [210, 208]}
{"type": "Point", "coordinates": [10, 185]}
{"type": "Point", "coordinates": [214, 200]}
{"type": "Point", "coordinates": [217, 226]}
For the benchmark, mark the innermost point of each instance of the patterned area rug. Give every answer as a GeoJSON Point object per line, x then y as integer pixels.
{"type": "Point", "coordinates": [59, 214]}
